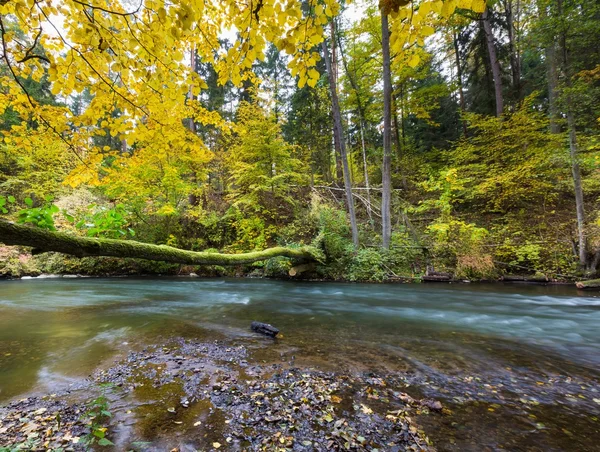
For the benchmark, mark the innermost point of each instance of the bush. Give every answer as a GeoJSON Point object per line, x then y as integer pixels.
{"type": "Point", "coordinates": [368, 264]}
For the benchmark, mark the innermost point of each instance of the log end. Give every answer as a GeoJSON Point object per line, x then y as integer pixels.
{"type": "Point", "coordinates": [588, 285]}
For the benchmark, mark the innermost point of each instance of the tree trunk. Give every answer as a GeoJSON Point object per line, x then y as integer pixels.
{"type": "Point", "coordinates": [191, 123]}
{"type": "Point", "coordinates": [399, 147]}
{"type": "Point", "coordinates": [552, 75]}
{"type": "Point", "coordinates": [366, 170]}
{"type": "Point", "coordinates": [386, 195]}
{"type": "Point", "coordinates": [332, 71]}
{"type": "Point", "coordinates": [42, 241]}
{"type": "Point", "coordinates": [576, 171]}
{"type": "Point", "coordinates": [515, 60]}
{"type": "Point", "coordinates": [339, 138]}
{"type": "Point", "coordinates": [459, 79]}
{"type": "Point", "coordinates": [494, 62]}
{"type": "Point", "coordinates": [361, 118]}
{"type": "Point", "coordinates": [573, 149]}
{"type": "Point", "coordinates": [192, 198]}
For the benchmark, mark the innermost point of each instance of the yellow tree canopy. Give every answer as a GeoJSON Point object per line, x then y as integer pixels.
{"type": "Point", "coordinates": [130, 56]}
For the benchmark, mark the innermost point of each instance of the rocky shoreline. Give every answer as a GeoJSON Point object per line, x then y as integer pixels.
{"type": "Point", "coordinates": [187, 395]}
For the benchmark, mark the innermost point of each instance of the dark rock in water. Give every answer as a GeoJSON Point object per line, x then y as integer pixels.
{"type": "Point", "coordinates": [434, 405]}
{"type": "Point", "coordinates": [264, 328]}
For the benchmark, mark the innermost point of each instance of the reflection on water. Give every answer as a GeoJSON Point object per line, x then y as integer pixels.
{"type": "Point", "coordinates": [54, 330]}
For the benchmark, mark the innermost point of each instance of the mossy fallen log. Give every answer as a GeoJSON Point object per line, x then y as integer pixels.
{"type": "Point", "coordinates": [42, 241]}
{"type": "Point", "coordinates": [588, 285]}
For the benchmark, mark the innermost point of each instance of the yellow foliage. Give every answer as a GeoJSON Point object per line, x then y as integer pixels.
{"type": "Point", "coordinates": [131, 60]}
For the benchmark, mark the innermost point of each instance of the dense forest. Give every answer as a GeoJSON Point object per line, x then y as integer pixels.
{"type": "Point", "coordinates": [395, 137]}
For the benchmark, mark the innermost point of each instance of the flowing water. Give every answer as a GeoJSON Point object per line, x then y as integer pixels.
{"type": "Point", "coordinates": [518, 365]}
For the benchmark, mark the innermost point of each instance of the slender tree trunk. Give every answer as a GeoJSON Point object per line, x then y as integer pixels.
{"type": "Point", "coordinates": [494, 62]}
{"type": "Point", "coordinates": [515, 63]}
{"type": "Point", "coordinates": [339, 170]}
{"type": "Point", "coordinates": [573, 147]}
{"type": "Point", "coordinates": [366, 170]}
{"type": "Point", "coordinates": [191, 123]}
{"type": "Point", "coordinates": [402, 110]}
{"type": "Point", "coordinates": [552, 75]}
{"type": "Point", "coordinates": [361, 118]}
{"type": "Point", "coordinates": [386, 194]}
{"type": "Point", "coordinates": [459, 79]}
{"type": "Point", "coordinates": [399, 146]}
{"type": "Point", "coordinates": [339, 138]}
{"type": "Point", "coordinates": [192, 198]}
{"type": "Point", "coordinates": [576, 171]}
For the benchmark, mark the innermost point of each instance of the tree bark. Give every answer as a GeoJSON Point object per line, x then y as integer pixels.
{"type": "Point", "coordinates": [365, 169]}
{"type": "Point", "coordinates": [494, 62]}
{"type": "Point", "coordinates": [573, 149]}
{"type": "Point", "coordinates": [459, 79]}
{"type": "Point", "coordinates": [339, 138]}
{"type": "Point", "coordinates": [515, 59]}
{"type": "Point", "coordinates": [576, 171]}
{"type": "Point", "coordinates": [399, 146]}
{"type": "Point", "coordinates": [552, 75]}
{"type": "Point", "coordinates": [386, 195]}
{"type": "Point", "coordinates": [42, 240]}
{"type": "Point", "coordinates": [332, 71]}
{"type": "Point", "coordinates": [192, 198]}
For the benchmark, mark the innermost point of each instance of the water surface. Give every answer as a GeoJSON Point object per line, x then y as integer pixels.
{"type": "Point", "coordinates": [518, 357]}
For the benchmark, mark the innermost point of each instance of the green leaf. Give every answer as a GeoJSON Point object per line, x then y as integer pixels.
{"type": "Point", "coordinates": [29, 202]}
{"type": "Point", "coordinates": [11, 198]}
{"type": "Point", "coordinates": [105, 442]}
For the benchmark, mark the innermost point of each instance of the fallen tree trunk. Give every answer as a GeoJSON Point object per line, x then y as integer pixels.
{"type": "Point", "coordinates": [42, 241]}
{"type": "Point", "coordinates": [296, 270]}
{"type": "Point", "coordinates": [590, 284]}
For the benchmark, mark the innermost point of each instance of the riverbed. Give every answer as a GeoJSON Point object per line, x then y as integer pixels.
{"type": "Point", "coordinates": [517, 367]}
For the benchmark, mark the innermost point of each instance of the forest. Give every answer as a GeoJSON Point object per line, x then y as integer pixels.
{"type": "Point", "coordinates": [379, 139]}
{"type": "Point", "coordinates": [198, 199]}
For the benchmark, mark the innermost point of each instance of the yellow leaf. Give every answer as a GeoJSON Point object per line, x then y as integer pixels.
{"type": "Point", "coordinates": [414, 61]}
{"type": "Point", "coordinates": [427, 30]}
{"type": "Point", "coordinates": [478, 6]}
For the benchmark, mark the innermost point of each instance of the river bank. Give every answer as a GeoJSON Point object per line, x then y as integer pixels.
{"type": "Point", "coordinates": [188, 395]}
{"type": "Point", "coordinates": [185, 394]}
{"type": "Point", "coordinates": [15, 263]}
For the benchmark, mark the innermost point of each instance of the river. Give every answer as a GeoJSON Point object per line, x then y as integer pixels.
{"type": "Point", "coordinates": [518, 365]}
